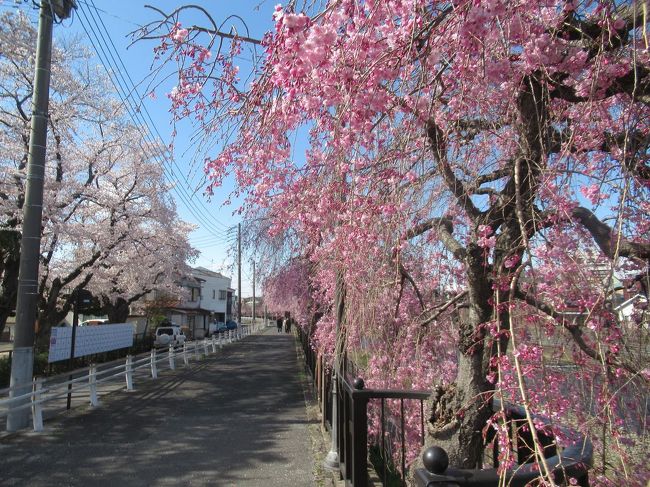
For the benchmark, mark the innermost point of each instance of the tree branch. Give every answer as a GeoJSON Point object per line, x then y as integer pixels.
{"type": "Point", "coordinates": [424, 227]}
{"type": "Point", "coordinates": [456, 186]}
{"type": "Point", "coordinates": [439, 309]}
{"type": "Point", "coordinates": [605, 238]}
{"type": "Point", "coordinates": [574, 330]}
{"type": "Point", "coordinates": [407, 276]}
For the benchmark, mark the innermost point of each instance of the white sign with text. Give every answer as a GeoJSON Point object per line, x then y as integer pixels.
{"type": "Point", "coordinates": [89, 340]}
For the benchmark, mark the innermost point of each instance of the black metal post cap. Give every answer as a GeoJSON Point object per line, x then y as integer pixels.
{"type": "Point", "coordinates": [358, 383]}
{"type": "Point", "coordinates": [435, 460]}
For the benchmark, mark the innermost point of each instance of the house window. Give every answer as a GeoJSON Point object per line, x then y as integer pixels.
{"type": "Point", "coordinates": [214, 294]}
{"type": "Point", "coordinates": [222, 295]}
{"type": "Point", "coordinates": [196, 293]}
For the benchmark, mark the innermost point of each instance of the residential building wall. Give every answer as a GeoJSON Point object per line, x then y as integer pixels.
{"type": "Point", "coordinates": [214, 292]}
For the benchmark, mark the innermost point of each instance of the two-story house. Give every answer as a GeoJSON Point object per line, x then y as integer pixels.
{"type": "Point", "coordinates": [216, 293]}
{"type": "Point", "coordinates": [206, 297]}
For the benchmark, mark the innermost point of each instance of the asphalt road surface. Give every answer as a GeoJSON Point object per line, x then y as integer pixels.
{"type": "Point", "coordinates": [237, 418]}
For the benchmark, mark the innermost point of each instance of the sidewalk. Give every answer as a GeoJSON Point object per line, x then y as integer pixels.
{"type": "Point", "coordinates": [237, 418]}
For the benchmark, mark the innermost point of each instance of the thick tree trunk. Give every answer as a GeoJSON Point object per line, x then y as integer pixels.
{"type": "Point", "coordinates": [460, 410]}
{"type": "Point", "coordinates": [117, 312]}
{"type": "Point", "coordinates": [10, 262]}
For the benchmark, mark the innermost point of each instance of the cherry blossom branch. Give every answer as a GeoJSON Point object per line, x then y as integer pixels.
{"type": "Point", "coordinates": [635, 83]}
{"type": "Point", "coordinates": [604, 237]}
{"type": "Point", "coordinates": [630, 16]}
{"type": "Point", "coordinates": [574, 330]}
{"type": "Point", "coordinates": [215, 30]}
{"type": "Point", "coordinates": [521, 382]}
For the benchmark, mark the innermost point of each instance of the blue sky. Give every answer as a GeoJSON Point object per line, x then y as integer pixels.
{"type": "Point", "coordinates": [121, 17]}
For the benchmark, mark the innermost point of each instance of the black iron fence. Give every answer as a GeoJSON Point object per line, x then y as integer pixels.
{"type": "Point", "coordinates": [354, 402]}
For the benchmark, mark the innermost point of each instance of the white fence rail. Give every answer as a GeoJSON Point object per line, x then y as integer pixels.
{"type": "Point", "coordinates": [44, 392]}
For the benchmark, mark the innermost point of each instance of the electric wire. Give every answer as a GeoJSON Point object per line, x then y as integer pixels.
{"type": "Point", "coordinates": [150, 151]}
{"type": "Point", "coordinates": [135, 90]}
{"type": "Point", "coordinates": [126, 95]}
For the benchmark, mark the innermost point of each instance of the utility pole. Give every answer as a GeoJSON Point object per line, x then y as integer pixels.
{"type": "Point", "coordinates": [253, 292]}
{"type": "Point", "coordinates": [22, 363]}
{"type": "Point", "coordinates": [239, 272]}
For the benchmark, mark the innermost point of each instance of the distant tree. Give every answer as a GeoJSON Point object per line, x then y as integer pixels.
{"type": "Point", "coordinates": [108, 222]}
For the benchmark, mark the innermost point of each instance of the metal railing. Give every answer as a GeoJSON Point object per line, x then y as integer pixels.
{"type": "Point", "coordinates": [573, 462]}
{"type": "Point", "coordinates": [353, 401]}
{"type": "Point", "coordinates": [89, 378]}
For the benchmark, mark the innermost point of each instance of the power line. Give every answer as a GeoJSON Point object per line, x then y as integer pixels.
{"type": "Point", "coordinates": [146, 111]}
{"type": "Point", "coordinates": [153, 153]}
{"type": "Point", "coordinates": [125, 93]}
{"type": "Point", "coordinates": [134, 111]}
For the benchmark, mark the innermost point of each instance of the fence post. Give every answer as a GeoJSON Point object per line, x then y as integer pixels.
{"type": "Point", "coordinates": [37, 407]}
{"type": "Point", "coordinates": [359, 436]}
{"type": "Point", "coordinates": [221, 338]}
{"type": "Point", "coordinates": [205, 346]}
{"type": "Point", "coordinates": [172, 363]}
{"type": "Point", "coordinates": [92, 385]}
{"type": "Point", "coordinates": [129, 373]}
{"type": "Point", "coordinates": [197, 356]}
{"type": "Point", "coordinates": [214, 345]}
{"type": "Point", "coordinates": [185, 359]}
{"type": "Point", "coordinates": [154, 364]}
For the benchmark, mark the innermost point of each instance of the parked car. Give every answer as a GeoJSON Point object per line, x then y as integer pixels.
{"type": "Point", "coordinates": [94, 322]}
{"type": "Point", "coordinates": [216, 327]}
{"type": "Point", "coordinates": [231, 325]}
{"type": "Point", "coordinates": [169, 335]}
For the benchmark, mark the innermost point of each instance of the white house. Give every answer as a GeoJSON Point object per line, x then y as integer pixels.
{"type": "Point", "coordinates": [627, 310]}
{"type": "Point", "coordinates": [216, 293]}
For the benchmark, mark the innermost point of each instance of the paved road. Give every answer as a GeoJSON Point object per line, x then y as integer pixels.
{"type": "Point", "coordinates": [237, 418]}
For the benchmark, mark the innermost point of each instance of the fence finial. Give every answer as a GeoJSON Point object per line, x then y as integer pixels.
{"type": "Point", "coordinates": [435, 460]}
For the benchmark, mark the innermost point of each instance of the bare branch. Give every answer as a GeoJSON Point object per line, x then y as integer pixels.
{"type": "Point", "coordinates": [428, 225]}
{"type": "Point", "coordinates": [436, 311]}
{"type": "Point", "coordinates": [407, 276]}
{"type": "Point", "coordinates": [226, 35]}
{"type": "Point", "coordinates": [456, 186]}
{"type": "Point", "coordinates": [493, 176]}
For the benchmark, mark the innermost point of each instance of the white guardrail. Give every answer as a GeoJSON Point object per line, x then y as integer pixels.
{"type": "Point", "coordinates": [45, 391]}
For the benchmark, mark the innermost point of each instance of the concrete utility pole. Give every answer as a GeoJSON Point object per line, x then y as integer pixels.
{"type": "Point", "coordinates": [22, 363]}
{"type": "Point", "coordinates": [239, 273]}
{"type": "Point", "coordinates": [253, 292]}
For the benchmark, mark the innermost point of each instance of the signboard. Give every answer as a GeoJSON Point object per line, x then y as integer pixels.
{"type": "Point", "coordinates": [89, 340]}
